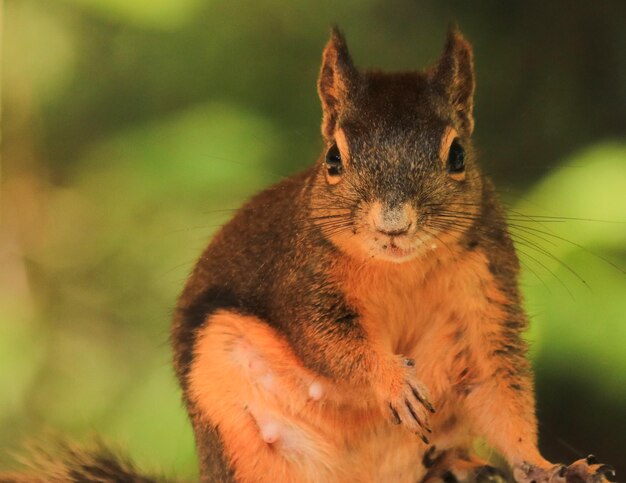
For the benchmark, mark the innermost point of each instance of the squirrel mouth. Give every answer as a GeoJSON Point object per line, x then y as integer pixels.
{"type": "Point", "coordinates": [404, 249]}
{"type": "Point", "coordinates": [394, 250]}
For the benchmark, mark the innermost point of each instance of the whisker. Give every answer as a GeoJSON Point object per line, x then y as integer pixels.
{"type": "Point", "coordinates": [526, 266]}
{"type": "Point", "coordinates": [517, 238]}
{"type": "Point", "coordinates": [577, 245]}
{"type": "Point", "coordinates": [542, 265]}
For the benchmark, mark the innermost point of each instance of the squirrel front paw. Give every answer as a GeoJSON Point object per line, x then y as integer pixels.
{"type": "Point", "coordinates": [405, 399]}
{"type": "Point", "coordinates": [586, 470]}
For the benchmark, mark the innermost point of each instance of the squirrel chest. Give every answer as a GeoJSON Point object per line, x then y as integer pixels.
{"type": "Point", "coordinates": [443, 311]}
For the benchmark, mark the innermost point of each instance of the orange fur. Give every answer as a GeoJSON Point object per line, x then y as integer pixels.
{"type": "Point", "coordinates": [339, 437]}
{"type": "Point", "coordinates": [345, 435]}
{"type": "Point", "coordinates": [403, 309]}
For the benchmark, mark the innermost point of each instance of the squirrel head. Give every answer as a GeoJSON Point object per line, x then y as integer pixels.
{"type": "Point", "coordinates": [397, 176]}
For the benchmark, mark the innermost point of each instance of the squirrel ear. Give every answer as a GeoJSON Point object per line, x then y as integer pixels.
{"type": "Point", "coordinates": [454, 77]}
{"type": "Point", "coordinates": [337, 76]}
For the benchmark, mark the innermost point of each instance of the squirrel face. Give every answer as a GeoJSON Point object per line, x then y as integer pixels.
{"type": "Point", "coordinates": [398, 177]}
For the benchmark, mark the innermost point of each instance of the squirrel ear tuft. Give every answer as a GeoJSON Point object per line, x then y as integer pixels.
{"type": "Point", "coordinates": [454, 77]}
{"type": "Point", "coordinates": [336, 79]}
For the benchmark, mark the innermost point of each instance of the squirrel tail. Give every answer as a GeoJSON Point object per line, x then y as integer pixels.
{"type": "Point", "coordinates": [66, 463]}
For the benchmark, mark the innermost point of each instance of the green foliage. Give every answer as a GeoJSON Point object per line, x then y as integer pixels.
{"type": "Point", "coordinates": [161, 14]}
{"type": "Point", "coordinates": [575, 279]}
{"type": "Point", "coordinates": [118, 250]}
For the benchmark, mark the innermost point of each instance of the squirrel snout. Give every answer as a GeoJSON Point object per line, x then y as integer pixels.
{"type": "Point", "coordinates": [391, 221]}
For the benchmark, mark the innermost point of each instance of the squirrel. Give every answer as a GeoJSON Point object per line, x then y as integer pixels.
{"type": "Point", "coordinates": [361, 321]}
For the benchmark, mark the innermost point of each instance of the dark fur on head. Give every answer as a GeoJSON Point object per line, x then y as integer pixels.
{"type": "Point", "coordinates": [392, 125]}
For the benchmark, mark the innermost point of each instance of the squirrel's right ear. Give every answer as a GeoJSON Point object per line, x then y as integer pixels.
{"type": "Point", "coordinates": [454, 77]}
{"type": "Point", "coordinates": [336, 79]}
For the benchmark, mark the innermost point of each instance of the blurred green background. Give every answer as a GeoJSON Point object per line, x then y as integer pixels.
{"type": "Point", "coordinates": [132, 129]}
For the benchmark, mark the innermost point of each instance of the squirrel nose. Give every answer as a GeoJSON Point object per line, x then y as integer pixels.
{"type": "Point", "coordinates": [394, 232]}
{"type": "Point", "coordinates": [391, 221]}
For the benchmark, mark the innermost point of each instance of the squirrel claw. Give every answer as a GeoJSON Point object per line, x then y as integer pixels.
{"type": "Point", "coordinates": [589, 470]}
{"type": "Point", "coordinates": [408, 405]}
{"type": "Point", "coordinates": [410, 411]}
{"type": "Point", "coordinates": [422, 399]}
{"type": "Point", "coordinates": [395, 415]}
{"type": "Point", "coordinates": [607, 471]}
{"type": "Point", "coordinates": [586, 470]}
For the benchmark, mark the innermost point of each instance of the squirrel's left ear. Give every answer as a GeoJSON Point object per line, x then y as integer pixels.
{"type": "Point", "coordinates": [337, 78]}
{"type": "Point", "coordinates": [454, 77]}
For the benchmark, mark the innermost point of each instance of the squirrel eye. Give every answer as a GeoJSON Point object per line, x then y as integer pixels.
{"type": "Point", "coordinates": [333, 161]}
{"type": "Point", "coordinates": [456, 157]}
